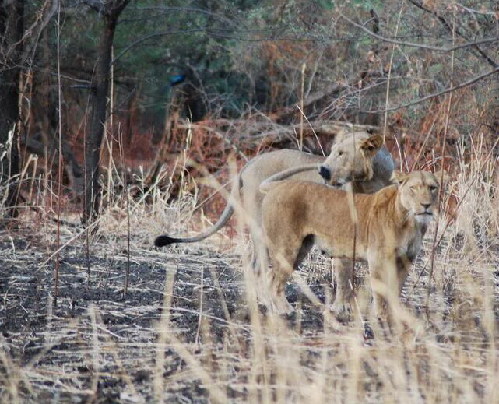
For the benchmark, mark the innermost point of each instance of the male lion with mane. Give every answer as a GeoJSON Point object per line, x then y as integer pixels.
{"type": "Point", "coordinates": [387, 226]}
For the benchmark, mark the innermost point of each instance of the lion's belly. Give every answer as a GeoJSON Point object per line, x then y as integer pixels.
{"type": "Point", "coordinates": [341, 247]}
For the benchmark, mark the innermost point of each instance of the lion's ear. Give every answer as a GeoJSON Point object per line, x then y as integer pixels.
{"type": "Point", "coordinates": [398, 177]}
{"type": "Point", "coordinates": [370, 146]}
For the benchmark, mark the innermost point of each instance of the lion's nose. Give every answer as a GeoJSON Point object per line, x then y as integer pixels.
{"type": "Point", "coordinates": [325, 173]}
{"type": "Point", "coordinates": [425, 205]}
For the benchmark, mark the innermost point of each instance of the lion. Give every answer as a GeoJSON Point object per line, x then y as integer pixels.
{"type": "Point", "coordinates": [385, 229]}
{"type": "Point", "coordinates": [359, 157]}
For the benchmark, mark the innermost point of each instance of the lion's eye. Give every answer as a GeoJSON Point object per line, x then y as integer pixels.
{"type": "Point", "coordinates": [340, 153]}
{"type": "Point", "coordinates": [432, 188]}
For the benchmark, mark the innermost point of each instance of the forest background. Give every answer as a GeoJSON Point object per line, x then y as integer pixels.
{"type": "Point", "coordinates": [89, 76]}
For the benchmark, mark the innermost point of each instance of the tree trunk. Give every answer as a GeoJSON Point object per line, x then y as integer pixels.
{"type": "Point", "coordinates": [100, 89]}
{"type": "Point", "coordinates": [11, 29]}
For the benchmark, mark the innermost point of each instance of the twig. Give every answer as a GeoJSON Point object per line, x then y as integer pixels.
{"type": "Point", "coordinates": [163, 328]}
{"type": "Point", "coordinates": [127, 272]}
{"type": "Point", "coordinates": [302, 95]}
{"type": "Point", "coordinates": [454, 30]}
{"type": "Point", "coordinates": [440, 193]}
{"type": "Point", "coordinates": [155, 35]}
{"type": "Point", "coordinates": [439, 93]}
{"type": "Point", "coordinates": [389, 75]}
{"type": "Point", "coordinates": [60, 161]}
{"type": "Point", "coordinates": [200, 310]}
{"type": "Point", "coordinates": [420, 45]}
{"type": "Point", "coordinates": [95, 349]}
{"type": "Point", "coordinates": [85, 230]}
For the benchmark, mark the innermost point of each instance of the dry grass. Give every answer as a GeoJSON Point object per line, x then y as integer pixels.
{"type": "Point", "coordinates": [189, 329]}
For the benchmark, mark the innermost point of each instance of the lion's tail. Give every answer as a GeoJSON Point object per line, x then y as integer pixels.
{"type": "Point", "coordinates": [165, 239]}
{"type": "Point", "coordinates": [276, 179]}
{"type": "Point", "coordinates": [266, 186]}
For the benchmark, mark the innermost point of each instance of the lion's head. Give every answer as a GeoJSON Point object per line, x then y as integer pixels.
{"type": "Point", "coordinates": [351, 158]}
{"type": "Point", "coordinates": [418, 193]}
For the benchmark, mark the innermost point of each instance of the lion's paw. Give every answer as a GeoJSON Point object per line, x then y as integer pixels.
{"type": "Point", "coordinates": [342, 311]}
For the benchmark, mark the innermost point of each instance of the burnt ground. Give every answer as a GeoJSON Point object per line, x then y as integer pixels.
{"type": "Point", "coordinates": [98, 344]}
{"type": "Point", "coordinates": [40, 336]}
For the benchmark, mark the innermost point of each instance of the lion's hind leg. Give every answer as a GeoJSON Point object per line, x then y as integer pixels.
{"type": "Point", "coordinates": [284, 257]}
{"type": "Point", "coordinates": [342, 306]}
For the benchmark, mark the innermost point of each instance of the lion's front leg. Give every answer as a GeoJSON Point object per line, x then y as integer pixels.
{"type": "Point", "coordinates": [403, 267]}
{"type": "Point", "coordinates": [385, 283]}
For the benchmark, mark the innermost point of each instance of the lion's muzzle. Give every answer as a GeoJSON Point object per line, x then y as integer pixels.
{"type": "Point", "coordinates": [325, 172]}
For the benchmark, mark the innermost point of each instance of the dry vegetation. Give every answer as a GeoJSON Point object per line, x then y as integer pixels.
{"type": "Point", "coordinates": [188, 329]}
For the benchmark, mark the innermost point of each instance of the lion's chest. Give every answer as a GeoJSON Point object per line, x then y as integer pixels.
{"type": "Point", "coordinates": [410, 243]}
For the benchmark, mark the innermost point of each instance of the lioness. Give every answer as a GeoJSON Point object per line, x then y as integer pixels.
{"type": "Point", "coordinates": [388, 230]}
{"type": "Point", "coordinates": [357, 157]}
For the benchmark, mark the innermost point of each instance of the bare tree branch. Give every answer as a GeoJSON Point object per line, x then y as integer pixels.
{"type": "Point", "coordinates": [437, 94]}
{"type": "Point", "coordinates": [420, 45]}
{"type": "Point", "coordinates": [155, 35]}
{"type": "Point", "coordinates": [456, 30]}
{"type": "Point", "coordinates": [217, 16]}
{"type": "Point", "coordinates": [43, 17]}
{"type": "Point", "coordinates": [473, 11]}
{"type": "Point", "coordinates": [46, 17]}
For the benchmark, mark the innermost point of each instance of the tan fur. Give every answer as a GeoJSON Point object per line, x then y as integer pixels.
{"type": "Point", "coordinates": [389, 228]}
{"type": "Point", "coordinates": [358, 156]}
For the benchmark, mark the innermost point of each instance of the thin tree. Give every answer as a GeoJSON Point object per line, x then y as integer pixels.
{"type": "Point", "coordinates": [11, 31]}
{"type": "Point", "coordinates": [110, 12]}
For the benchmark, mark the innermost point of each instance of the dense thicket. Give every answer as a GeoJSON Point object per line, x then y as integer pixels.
{"type": "Point", "coordinates": [204, 60]}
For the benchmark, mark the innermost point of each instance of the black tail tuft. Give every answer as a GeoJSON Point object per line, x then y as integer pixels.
{"type": "Point", "coordinates": [161, 241]}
